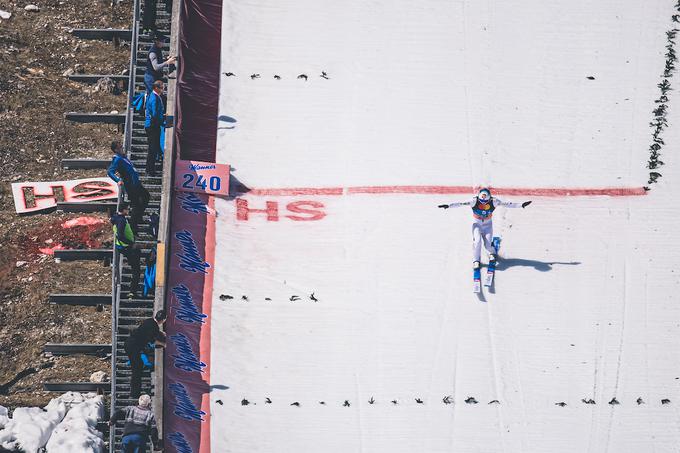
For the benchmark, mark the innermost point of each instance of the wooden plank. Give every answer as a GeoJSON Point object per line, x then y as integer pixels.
{"type": "Point", "coordinates": [94, 78]}
{"type": "Point", "coordinates": [85, 164]}
{"type": "Point", "coordinates": [105, 34]}
{"type": "Point", "coordinates": [73, 349]}
{"type": "Point", "coordinates": [88, 300]}
{"type": "Point", "coordinates": [98, 206]}
{"type": "Point", "coordinates": [76, 386]}
{"type": "Point", "coordinates": [83, 254]}
{"type": "Point", "coordinates": [106, 118]}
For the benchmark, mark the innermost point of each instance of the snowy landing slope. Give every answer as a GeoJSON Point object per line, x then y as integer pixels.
{"type": "Point", "coordinates": [443, 93]}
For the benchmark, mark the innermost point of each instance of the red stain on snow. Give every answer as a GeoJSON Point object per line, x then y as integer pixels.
{"type": "Point", "coordinates": [82, 221]}
{"type": "Point", "coordinates": [50, 250]}
{"type": "Point", "coordinates": [77, 233]}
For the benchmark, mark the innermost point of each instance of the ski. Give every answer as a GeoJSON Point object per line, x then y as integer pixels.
{"type": "Point", "coordinates": [476, 278]}
{"type": "Point", "coordinates": [491, 269]}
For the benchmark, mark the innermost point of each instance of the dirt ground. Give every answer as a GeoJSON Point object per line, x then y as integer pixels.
{"type": "Point", "coordinates": [36, 49]}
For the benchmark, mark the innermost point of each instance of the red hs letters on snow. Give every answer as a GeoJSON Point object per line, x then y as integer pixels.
{"type": "Point", "coordinates": [298, 211]}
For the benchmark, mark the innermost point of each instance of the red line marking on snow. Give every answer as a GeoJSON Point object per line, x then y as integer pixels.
{"type": "Point", "coordinates": [297, 191]}
{"type": "Point", "coordinates": [412, 189]}
{"type": "Point", "coordinates": [607, 191]}
{"type": "Point", "coordinates": [453, 190]}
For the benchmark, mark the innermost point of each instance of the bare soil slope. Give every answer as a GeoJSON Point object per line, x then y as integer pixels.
{"type": "Point", "coordinates": [36, 49]}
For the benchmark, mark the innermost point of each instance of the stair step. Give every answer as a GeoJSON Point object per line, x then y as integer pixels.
{"type": "Point", "coordinates": [123, 320]}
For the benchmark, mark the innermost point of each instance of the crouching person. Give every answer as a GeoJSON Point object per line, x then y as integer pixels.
{"type": "Point", "coordinates": [140, 423]}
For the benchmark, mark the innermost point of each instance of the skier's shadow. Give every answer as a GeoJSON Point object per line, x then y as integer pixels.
{"type": "Point", "coordinates": [541, 266]}
{"type": "Point", "coordinates": [236, 187]}
{"type": "Point", "coordinates": [231, 122]}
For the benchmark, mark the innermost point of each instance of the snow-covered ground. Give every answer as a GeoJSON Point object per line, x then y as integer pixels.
{"type": "Point", "coordinates": [68, 424]}
{"type": "Point", "coordinates": [444, 94]}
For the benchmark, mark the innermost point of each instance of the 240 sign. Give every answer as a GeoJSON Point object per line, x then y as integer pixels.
{"type": "Point", "coordinates": [202, 177]}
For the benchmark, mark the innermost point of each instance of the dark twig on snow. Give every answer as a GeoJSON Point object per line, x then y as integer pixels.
{"type": "Point", "coordinates": [659, 122]}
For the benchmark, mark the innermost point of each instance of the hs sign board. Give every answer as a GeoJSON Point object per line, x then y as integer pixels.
{"type": "Point", "coordinates": [202, 177]}
{"type": "Point", "coordinates": [31, 197]}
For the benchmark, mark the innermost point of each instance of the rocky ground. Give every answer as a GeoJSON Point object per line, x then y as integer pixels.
{"type": "Point", "coordinates": [36, 50]}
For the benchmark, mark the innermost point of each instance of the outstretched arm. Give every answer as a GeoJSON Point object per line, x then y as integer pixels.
{"type": "Point", "coordinates": [509, 204]}
{"type": "Point", "coordinates": [157, 66]}
{"type": "Point", "coordinates": [455, 205]}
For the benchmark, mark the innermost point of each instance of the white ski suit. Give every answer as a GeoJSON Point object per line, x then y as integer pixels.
{"type": "Point", "coordinates": [482, 227]}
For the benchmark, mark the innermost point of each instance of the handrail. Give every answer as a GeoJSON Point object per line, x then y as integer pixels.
{"type": "Point", "coordinates": [117, 262]}
{"type": "Point", "coordinates": [165, 212]}
{"type": "Point", "coordinates": [115, 300]}
{"type": "Point", "coordinates": [132, 72]}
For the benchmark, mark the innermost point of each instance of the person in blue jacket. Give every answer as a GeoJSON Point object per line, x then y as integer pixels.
{"type": "Point", "coordinates": [155, 118]}
{"type": "Point", "coordinates": [129, 178]}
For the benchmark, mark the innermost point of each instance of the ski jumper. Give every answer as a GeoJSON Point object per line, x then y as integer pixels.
{"type": "Point", "coordinates": [482, 226]}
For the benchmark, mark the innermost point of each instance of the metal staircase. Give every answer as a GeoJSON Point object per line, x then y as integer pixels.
{"type": "Point", "coordinates": [128, 313]}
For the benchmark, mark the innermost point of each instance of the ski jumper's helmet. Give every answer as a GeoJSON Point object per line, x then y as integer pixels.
{"type": "Point", "coordinates": [484, 194]}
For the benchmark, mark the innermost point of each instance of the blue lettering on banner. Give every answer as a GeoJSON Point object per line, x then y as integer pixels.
{"type": "Point", "coordinates": [187, 311]}
{"type": "Point", "coordinates": [202, 167]}
{"type": "Point", "coordinates": [192, 203]}
{"type": "Point", "coordinates": [190, 258]}
{"type": "Point", "coordinates": [185, 359]}
{"type": "Point", "coordinates": [184, 407]}
{"type": "Point", "coordinates": [180, 442]}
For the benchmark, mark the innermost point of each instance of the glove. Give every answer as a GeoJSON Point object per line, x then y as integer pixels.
{"type": "Point", "coordinates": [443, 206]}
{"type": "Point", "coordinates": [526, 203]}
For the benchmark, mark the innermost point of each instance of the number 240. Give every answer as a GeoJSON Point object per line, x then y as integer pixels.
{"type": "Point", "coordinates": [214, 182]}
